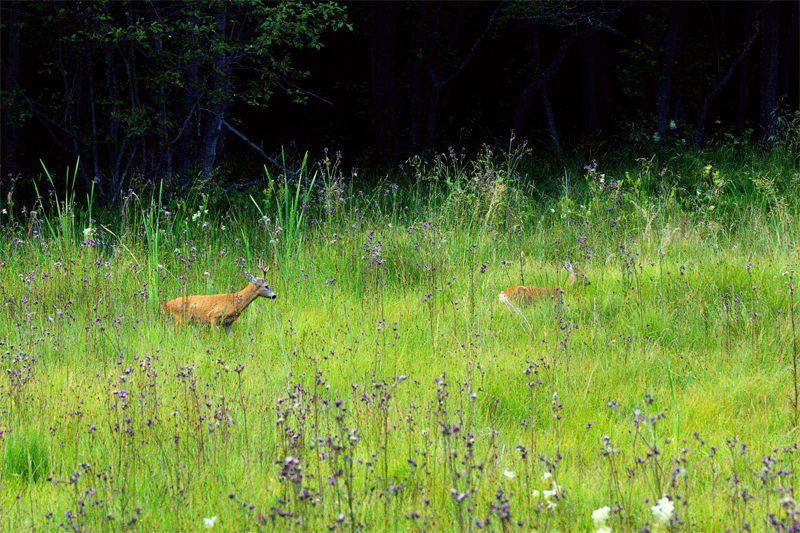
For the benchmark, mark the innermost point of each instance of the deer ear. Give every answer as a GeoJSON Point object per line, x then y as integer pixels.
{"type": "Point", "coordinates": [251, 278]}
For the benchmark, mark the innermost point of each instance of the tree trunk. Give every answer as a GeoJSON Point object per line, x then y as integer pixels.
{"type": "Point", "coordinates": [93, 118]}
{"type": "Point", "coordinates": [384, 78]}
{"type": "Point", "coordinates": [548, 109]}
{"type": "Point", "coordinates": [161, 157]}
{"type": "Point", "coordinates": [437, 85]}
{"type": "Point", "coordinates": [744, 83]}
{"type": "Point", "coordinates": [551, 120]}
{"type": "Point", "coordinates": [677, 22]}
{"type": "Point", "coordinates": [113, 125]}
{"type": "Point", "coordinates": [218, 93]}
{"type": "Point", "coordinates": [541, 78]}
{"type": "Point", "coordinates": [768, 72]}
{"type": "Point", "coordinates": [605, 78]}
{"type": "Point", "coordinates": [704, 110]}
{"type": "Point", "coordinates": [11, 119]}
{"type": "Point", "coordinates": [588, 86]}
{"type": "Point", "coordinates": [187, 104]}
{"type": "Point", "coordinates": [539, 81]}
{"type": "Point", "coordinates": [135, 138]}
{"type": "Point", "coordinates": [420, 51]}
{"type": "Point", "coordinates": [788, 50]}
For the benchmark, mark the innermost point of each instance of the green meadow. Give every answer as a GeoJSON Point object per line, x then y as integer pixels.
{"type": "Point", "coordinates": [387, 388]}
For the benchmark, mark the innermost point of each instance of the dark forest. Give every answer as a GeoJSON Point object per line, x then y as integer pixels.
{"type": "Point", "coordinates": [192, 92]}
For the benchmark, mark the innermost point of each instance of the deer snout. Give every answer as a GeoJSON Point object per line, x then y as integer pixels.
{"type": "Point", "coordinates": [268, 293]}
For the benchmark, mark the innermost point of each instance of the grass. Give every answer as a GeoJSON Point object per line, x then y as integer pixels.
{"type": "Point", "coordinates": [386, 388]}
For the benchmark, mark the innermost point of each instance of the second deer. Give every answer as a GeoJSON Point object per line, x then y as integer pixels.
{"type": "Point", "coordinates": [219, 309]}
{"type": "Point", "coordinates": [524, 295]}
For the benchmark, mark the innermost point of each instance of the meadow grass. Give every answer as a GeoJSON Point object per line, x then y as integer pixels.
{"type": "Point", "coordinates": [386, 388]}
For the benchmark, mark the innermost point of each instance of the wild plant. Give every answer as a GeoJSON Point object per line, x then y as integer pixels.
{"type": "Point", "coordinates": [285, 235]}
{"type": "Point", "coordinates": [61, 220]}
{"type": "Point", "coordinates": [384, 390]}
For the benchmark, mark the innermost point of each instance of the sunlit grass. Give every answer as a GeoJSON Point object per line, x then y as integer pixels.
{"type": "Point", "coordinates": [386, 388]}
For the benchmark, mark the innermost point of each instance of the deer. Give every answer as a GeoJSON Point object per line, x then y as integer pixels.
{"type": "Point", "coordinates": [523, 295]}
{"type": "Point", "coordinates": [219, 309]}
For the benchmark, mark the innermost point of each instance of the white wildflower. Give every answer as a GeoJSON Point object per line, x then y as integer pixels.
{"type": "Point", "coordinates": [787, 502]}
{"type": "Point", "coordinates": [509, 474]}
{"type": "Point", "coordinates": [663, 510]}
{"type": "Point", "coordinates": [89, 233]}
{"type": "Point", "coordinates": [209, 522]}
{"type": "Point", "coordinates": [600, 517]}
{"type": "Point", "coordinates": [550, 496]}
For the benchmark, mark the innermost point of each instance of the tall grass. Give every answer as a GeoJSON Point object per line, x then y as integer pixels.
{"type": "Point", "coordinates": [385, 389]}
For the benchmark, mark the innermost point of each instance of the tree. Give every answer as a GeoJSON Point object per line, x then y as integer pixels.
{"type": "Point", "coordinates": [768, 75]}
{"type": "Point", "coordinates": [436, 61]}
{"type": "Point", "coordinates": [788, 50]}
{"type": "Point", "coordinates": [560, 15]}
{"type": "Point", "coordinates": [743, 94]}
{"type": "Point", "coordinates": [666, 102]}
{"type": "Point", "coordinates": [11, 114]}
{"type": "Point", "coordinates": [384, 77]}
{"type": "Point", "coordinates": [145, 87]}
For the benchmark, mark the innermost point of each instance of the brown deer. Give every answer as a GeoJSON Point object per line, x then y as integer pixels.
{"type": "Point", "coordinates": [219, 309]}
{"type": "Point", "coordinates": [523, 295]}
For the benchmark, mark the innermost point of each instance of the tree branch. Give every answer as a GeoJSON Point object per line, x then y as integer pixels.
{"type": "Point", "coordinates": [701, 121]}
{"type": "Point", "coordinates": [255, 147]}
{"type": "Point", "coordinates": [544, 77]}
{"type": "Point", "coordinates": [289, 175]}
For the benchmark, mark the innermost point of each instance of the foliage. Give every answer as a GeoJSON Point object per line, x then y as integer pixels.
{"type": "Point", "coordinates": [26, 458]}
{"type": "Point", "coordinates": [124, 83]}
{"type": "Point", "coordinates": [285, 235]}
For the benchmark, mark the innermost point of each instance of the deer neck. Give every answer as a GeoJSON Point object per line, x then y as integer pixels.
{"type": "Point", "coordinates": [245, 297]}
